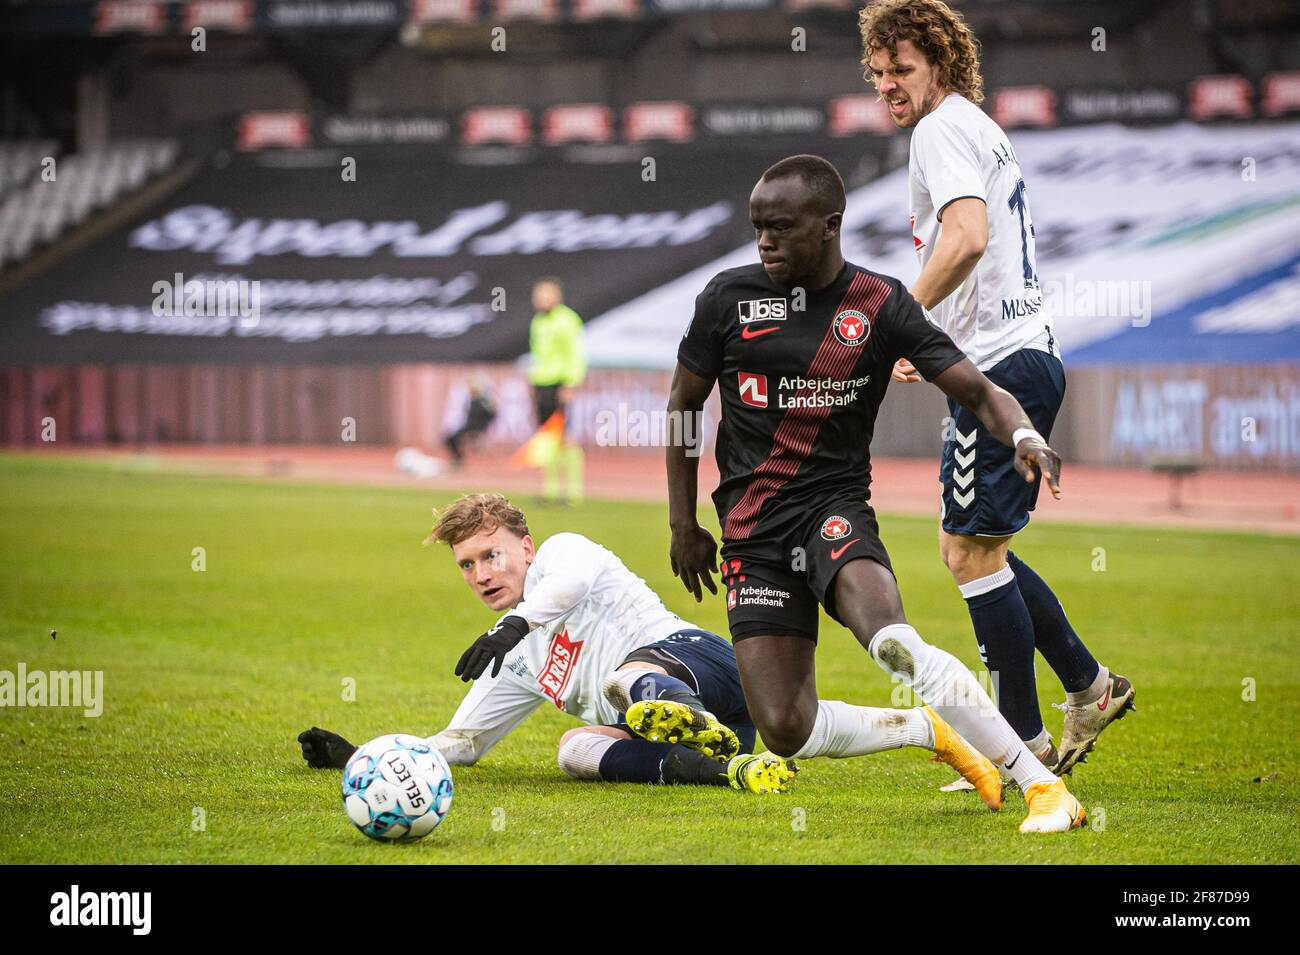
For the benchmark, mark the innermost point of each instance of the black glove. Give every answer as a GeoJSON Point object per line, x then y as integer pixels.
{"type": "Point", "coordinates": [492, 648]}
{"type": "Point", "coordinates": [325, 750]}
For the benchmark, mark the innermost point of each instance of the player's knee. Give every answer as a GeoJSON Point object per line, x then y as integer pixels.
{"type": "Point", "coordinates": [618, 684]}
{"type": "Point", "coordinates": [785, 731]}
{"type": "Point", "coordinates": [945, 549]}
{"type": "Point", "coordinates": [581, 751]}
{"type": "Point", "coordinates": [969, 558]}
{"type": "Point", "coordinates": [570, 734]}
{"type": "Point", "coordinates": [616, 688]}
{"type": "Point", "coordinates": [956, 558]}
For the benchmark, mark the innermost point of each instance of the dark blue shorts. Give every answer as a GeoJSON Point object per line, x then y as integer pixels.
{"type": "Point", "coordinates": [707, 664]}
{"type": "Point", "coordinates": [982, 494]}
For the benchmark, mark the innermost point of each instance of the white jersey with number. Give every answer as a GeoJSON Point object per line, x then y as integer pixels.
{"type": "Point", "coordinates": [587, 612]}
{"type": "Point", "coordinates": [958, 151]}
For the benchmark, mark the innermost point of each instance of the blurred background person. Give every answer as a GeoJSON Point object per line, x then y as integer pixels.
{"type": "Point", "coordinates": [480, 412]}
{"type": "Point", "coordinates": [558, 363]}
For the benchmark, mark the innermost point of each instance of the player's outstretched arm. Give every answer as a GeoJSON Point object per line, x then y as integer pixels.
{"type": "Point", "coordinates": [692, 550]}
{"type": "Point", "coordinates": [1001, 413]}
{"type": "Point", "coordinates": [490, 711]}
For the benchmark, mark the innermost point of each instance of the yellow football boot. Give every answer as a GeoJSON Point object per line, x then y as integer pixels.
{"type": "Point", "coordinates": [951, 747]}
{"type": "Point", "coordinates": [763, 774]}
{"type": "Point", "coordinates": [666, 721]}
{"type": "Point", "coordinates": [1052, 808]}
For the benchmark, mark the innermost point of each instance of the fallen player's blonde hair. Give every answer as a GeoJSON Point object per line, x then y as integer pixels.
{"type": "Point", "coordinates": [469, 515]}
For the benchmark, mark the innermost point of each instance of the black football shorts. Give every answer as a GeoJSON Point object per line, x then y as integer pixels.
{"type": "Point", "coordinates": [777, 578]}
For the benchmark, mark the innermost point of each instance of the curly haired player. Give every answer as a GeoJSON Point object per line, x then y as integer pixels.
{"type": "Point", "coordinates": [660, 699]}
{"type": "Point", "coordinates": [975, 239]}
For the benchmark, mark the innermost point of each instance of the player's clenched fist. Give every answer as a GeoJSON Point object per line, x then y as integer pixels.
{"type": "Point", "coordinates": [492, 648]}
{"type": "Point", "coordinates": [1033, 452]}
{"type": "Point", "coordinates": [694, 553]}
{"type": "Point", "coordinates": [904, 370]}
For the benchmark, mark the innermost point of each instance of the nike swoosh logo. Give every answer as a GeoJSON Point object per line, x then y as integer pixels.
{"type": "Point", "coordinates": [1012, 764]}
{"type": "Point", "coordinates": [1105, 700]}
{"type": "Point", "coordinates": [755, 332]}
{"type": "Point", "coordinates": [838, 552]}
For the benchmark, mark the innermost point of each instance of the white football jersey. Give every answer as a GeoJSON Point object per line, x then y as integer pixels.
{"type": "Point", "coordinates": [588, 612]}
{"type": "Point", "coordinates": [958, 151]}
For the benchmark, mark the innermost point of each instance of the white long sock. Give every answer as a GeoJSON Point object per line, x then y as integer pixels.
{"type": "Point", "coordinates": [843, 729]}
{"type": "Point", "coordinates": [939, 678]}
{"type": "Point", "coordinates": [581, 753]}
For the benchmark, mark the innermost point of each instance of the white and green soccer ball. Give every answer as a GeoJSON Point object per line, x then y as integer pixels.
{"type": "Point", "coordinates": [397, 788]}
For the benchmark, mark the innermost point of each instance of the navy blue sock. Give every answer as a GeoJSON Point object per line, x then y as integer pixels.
{"type": "Point", "coordinates": [661, 686]}
{"type": "Point", "coordinates": [634, 761]}
{"type": "Point", "coordinates": [1006, 638]}
{"type": "Point", "coordinates": [1053, 636]}
{"type": "Point", "coordinates": [640, 761]}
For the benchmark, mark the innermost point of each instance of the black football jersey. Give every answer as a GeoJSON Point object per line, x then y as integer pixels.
{"type": "Point", "coordinates": [801, 388]}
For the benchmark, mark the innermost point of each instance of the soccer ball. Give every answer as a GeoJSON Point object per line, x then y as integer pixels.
{"type": "Point", "coordinates": [397, 787]}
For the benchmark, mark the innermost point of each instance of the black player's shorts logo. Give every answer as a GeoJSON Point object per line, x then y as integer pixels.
{"type": "Point", "coordinates": [852, 327]}
{"type": "Point", "coordinates": [833, 528]}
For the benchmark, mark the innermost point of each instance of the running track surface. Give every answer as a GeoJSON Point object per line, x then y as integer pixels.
{"type": "Point", "coordinates": [1223, 500]}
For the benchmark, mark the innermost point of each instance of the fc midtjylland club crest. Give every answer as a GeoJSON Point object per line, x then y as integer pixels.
{"type": "Point", "coordinates": [852, 327]}
{"type": "Point", "coordinates": [833, 528]}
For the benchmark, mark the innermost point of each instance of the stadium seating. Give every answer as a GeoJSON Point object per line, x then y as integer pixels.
{"type": "Point", "coordinates": [34, 212]}
{"type": "Point", "coordinates": [19, 161]}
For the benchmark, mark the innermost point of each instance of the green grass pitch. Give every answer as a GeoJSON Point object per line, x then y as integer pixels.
{"type": "Point", "coordinates": [209, 676]}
